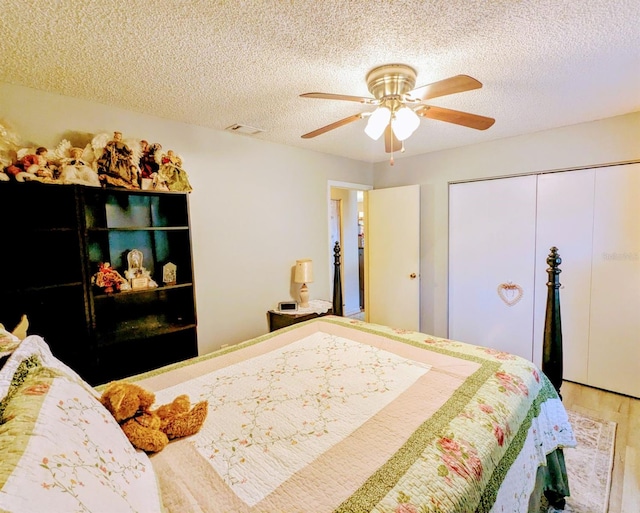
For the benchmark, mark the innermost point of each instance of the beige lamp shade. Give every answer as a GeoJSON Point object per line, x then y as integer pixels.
{"type": "Point", "coordinates": [304, 275]}
{"type": "Point", "coordinates": [304, 271]}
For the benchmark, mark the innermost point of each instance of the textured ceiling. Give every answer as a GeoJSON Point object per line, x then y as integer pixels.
{"type": "Point", "coordinates": [543, 63]}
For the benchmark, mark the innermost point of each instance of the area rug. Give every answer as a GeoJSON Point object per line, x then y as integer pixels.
{"type": "Point", "coordinates": [589, 465]}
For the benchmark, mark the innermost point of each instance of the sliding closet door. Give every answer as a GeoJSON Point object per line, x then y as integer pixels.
{"type": "Point", "coordinates": [614, 346]}
{"type": "Point", "coordinates": [491, 263]}
{"type": "Point", "coordinates": [565, 220]}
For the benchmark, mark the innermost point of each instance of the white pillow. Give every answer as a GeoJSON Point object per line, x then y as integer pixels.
{"type": "Point", "coordinates": [60, 449]}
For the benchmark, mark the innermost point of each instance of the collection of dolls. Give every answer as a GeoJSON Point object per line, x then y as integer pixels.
{"type": "Point", "coordinates": [107, 161]}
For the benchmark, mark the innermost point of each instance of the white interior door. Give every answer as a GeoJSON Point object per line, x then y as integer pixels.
{"type": "Point", "coordinates": [614, 344]}
{"type": "Point", "coordinates": [392, 257]}
{"type": "Point", "coordinates": [565, 220]}
{"type": "Point", "coordinates": [492, 232]}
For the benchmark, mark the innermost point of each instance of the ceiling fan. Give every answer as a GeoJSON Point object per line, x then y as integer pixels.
{"type": "Point", "coordinates": [400, 106]}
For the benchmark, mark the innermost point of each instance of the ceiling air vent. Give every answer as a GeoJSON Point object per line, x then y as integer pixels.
{"type": "Point", "coordinates": [244, 129]}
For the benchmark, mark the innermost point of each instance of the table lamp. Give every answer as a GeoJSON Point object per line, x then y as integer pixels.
{"type": "Point", "coordinates": [304, 275]}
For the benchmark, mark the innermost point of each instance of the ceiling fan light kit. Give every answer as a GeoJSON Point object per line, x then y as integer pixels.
{"type": "Point", "coordinates": [404, 123]}
{"type": "Point", "coordinates": [378, 121]}
{"type": "Point", "coordinates": [400, 106]}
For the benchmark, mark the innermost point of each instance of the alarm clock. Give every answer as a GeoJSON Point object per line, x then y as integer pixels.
{"type": "Point", "coordinates": [288, 306]}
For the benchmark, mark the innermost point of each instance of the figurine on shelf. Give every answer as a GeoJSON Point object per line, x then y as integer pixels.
{"type": "Point", "coordinates": [109, 279]}
{"type": "Point", "coordinates": [138, 276]}
{"type": "Point", "coordinates": [172, 174]}
{"type": "Point", "coordinates": [75, 165]}
{"type": "Point", "coordinates": [117, 161]}
{"type": "Point", "coordinates": [32, 165]}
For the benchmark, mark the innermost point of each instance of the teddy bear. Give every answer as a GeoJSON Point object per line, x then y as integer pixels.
{"type": "Point", "coordinates": [147, 429]}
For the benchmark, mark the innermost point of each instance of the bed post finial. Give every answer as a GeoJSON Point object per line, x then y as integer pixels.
{"type": "Point", "coordinates": [552, 344]}
{"type": "Point", "coordinates": [337, 281]}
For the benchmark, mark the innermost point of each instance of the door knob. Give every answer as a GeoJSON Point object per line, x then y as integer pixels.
{"type": "Point", "coordinates": [413, 276]}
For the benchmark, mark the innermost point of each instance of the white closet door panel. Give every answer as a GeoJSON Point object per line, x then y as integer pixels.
{"type": "Point", "coordinates": [565, 220]}
{"type": "Point", "coordinates": [614, 345]}
{"type": "Point", "coordinates": [492, 241]}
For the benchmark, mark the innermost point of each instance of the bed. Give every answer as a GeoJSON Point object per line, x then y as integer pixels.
{"type": "Point", "coordinates": [330, 415]}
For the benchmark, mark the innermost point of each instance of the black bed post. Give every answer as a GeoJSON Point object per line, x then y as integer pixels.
{"type": "Point", "coordinates": [337, 281]}
{"type": "Point", "coordinates": [552, 345]}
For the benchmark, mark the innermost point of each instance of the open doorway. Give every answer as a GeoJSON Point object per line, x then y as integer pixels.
{"type": "Point", "coordinates": [360, 198]}
{"type": "Point", "coordinates": [346, 225]}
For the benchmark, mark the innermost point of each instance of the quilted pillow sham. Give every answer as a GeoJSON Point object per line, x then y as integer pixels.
{"type": "Point", "coordinates": [35, 345]}
{"type": "Point", "coordinates": [61, 450]}
{"type": "Point", "coordinates": [8, 342]}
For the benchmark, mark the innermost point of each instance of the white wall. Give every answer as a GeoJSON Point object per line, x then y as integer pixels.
{"type": "Point", "coordinates": [604, 141]}
{"type": "Point", "coordinates": [256, 207]}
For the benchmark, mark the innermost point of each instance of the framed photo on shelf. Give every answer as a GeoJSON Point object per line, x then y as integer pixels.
{"type": "Point", "coordinates": [139, 283]}
{"type": "Point", "coordinates": [169, 273]}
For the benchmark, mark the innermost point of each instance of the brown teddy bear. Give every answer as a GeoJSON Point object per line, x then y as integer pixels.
{"type": "Point", "coordinates": [151, 430]}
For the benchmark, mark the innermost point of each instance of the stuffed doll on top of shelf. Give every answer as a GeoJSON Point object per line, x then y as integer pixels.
{"type": "Point", "coordinates": [8, 149]}
{"type": "Point", "coordinates": [172, 174]}
{"type": "Point", "coordinates": [33, 165]}
{"type": "Point", "coordinates": [150, 161]}
{"type": "Point", "coordinates": [117, 160]}
{"type": "Point", "coordinates": [76, 165]}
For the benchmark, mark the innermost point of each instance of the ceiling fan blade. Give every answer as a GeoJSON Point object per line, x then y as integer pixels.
{"type": "Point", "coordinates": [391, 143]}
{"type": "Point", "coordinates": [456, 116]}
{"type": "Point", "coordinates": [336, 124]}
{"type": "Point", "coordinates": [457, 84]}
{"type": "Point", "coordinates": [345, 97]}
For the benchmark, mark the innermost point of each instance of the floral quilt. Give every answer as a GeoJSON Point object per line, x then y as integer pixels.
{"type": "Point", "coordinates": [336, 415]}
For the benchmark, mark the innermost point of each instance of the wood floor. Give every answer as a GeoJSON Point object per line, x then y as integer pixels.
{"type": "Point", "coordinates": [625, 484]}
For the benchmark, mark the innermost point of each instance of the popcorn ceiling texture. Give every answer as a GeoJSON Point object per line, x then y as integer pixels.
{"type": "Point", "coordinates": [543, 63]}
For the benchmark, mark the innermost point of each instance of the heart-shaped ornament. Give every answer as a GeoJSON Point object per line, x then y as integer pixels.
{"type": "Point", "coordinates": [510, 293]}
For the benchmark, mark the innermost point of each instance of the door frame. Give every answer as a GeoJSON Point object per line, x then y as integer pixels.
{"type": "Point", "coordinates": [340, 185]}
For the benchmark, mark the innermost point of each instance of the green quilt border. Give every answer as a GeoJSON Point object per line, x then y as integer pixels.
{"type": "Point", "coordinates": [17, 380]}
{"type": "Point", "coordinates": [500, 472]}
{"type": "Point", "coordinates": [383, 480]}
{"type": "Point", "coordinates": [13, 446]}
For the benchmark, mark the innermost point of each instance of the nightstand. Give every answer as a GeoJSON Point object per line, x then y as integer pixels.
{"type": "Point", "coordinates": [317, 308]}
